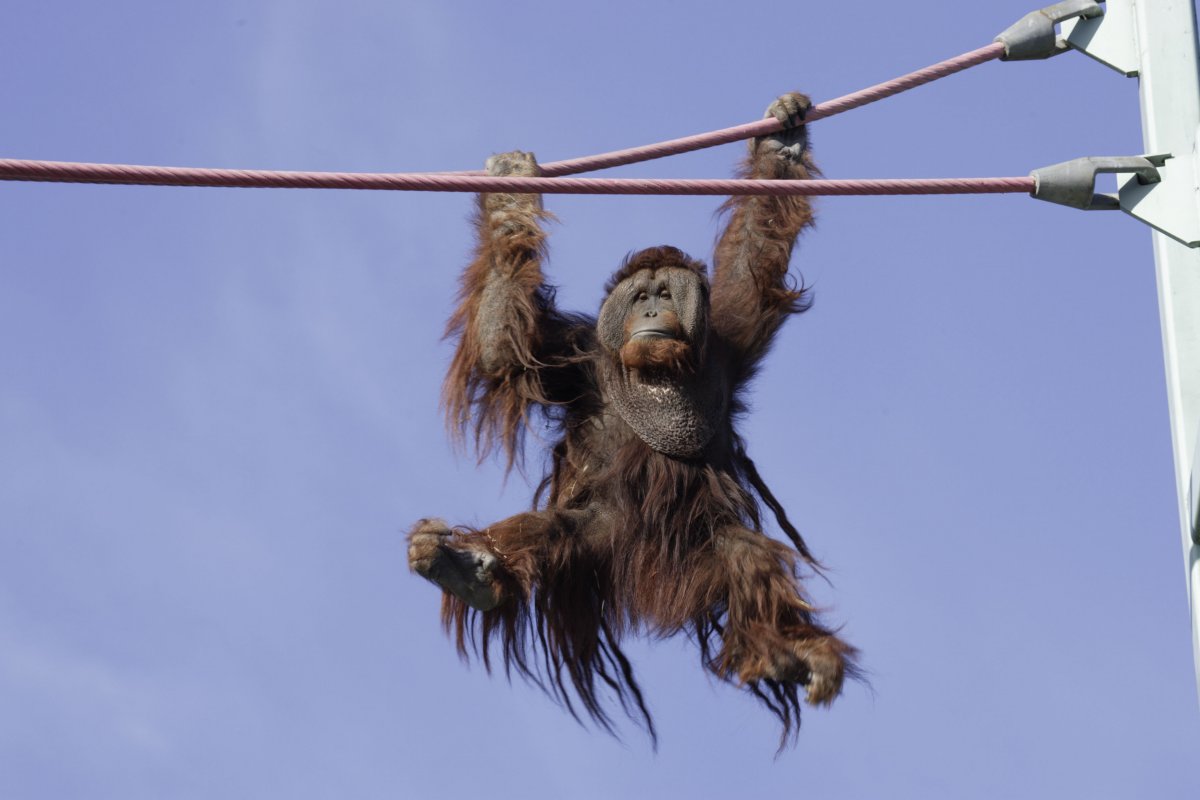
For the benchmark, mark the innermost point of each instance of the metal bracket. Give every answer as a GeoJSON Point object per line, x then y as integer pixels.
{"type": "Point", "coordinates": [1172, 206]}
{"type": "Point", "coordinates": [1073, 183]}
{"type": "Point", "coordinates": [1033, 36]}
{"type": "Point", "coordinates": [1108, 38]}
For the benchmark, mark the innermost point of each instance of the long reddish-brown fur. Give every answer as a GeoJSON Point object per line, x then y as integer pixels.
{"type": "Point", "coordinates": [621, 537]}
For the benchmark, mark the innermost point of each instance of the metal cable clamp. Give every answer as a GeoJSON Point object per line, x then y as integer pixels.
{"type": "Point", "coordinates": [1073, 183]}
{"type": "Point", "coordinates": [1033, 36]}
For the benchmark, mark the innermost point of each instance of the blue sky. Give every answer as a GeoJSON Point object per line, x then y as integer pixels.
{"type": "Point", "coordinates": [218, 408]}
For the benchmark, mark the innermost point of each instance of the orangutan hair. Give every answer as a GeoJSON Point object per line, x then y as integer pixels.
{"type": "Point", "coordinates": [649, 517]}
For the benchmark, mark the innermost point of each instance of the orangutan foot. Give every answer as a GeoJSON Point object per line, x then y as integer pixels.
{"type": "Point", "coordinates": [818, 664]}
{"type": "Point", "coordinates": [437, 555]}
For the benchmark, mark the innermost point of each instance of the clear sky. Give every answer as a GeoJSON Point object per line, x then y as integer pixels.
{"type": "Point", "coordinates": [219, 407]}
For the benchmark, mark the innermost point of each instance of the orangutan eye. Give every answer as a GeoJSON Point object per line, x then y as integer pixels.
{"type": "Point", "coordinates": [664, 294]}
{"type": "Point", "coordinates": [643, 296]}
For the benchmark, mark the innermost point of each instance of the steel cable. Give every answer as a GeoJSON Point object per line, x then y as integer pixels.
{"type": "Point", "coordinates": [551, 181]}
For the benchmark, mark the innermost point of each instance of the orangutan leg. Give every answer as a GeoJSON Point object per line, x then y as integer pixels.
{"type": "Point", "coordinates": [771, 632]}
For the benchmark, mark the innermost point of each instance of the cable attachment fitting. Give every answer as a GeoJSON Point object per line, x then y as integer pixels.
{"type": "Point", "coordinates": [1073, 183]}
{"type": "Point", "coordinates": [1033, 36]}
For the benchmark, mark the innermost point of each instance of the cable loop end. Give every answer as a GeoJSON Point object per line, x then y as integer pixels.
{"type": "Point", "coordinates": [1033, 36]}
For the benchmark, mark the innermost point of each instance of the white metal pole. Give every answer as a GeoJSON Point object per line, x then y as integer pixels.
{"type": "Point", "coordinates": [1170, 118]}
{"type": "Point", "coordinates": [1170, 99]}
{"type": "Point", "coordinates": [1156, 40]}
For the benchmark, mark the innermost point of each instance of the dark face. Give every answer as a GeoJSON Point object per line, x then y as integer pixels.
{"type": "Point", "coordinates": [656, 318]}
{"type": "Point", "coordinates": [653, 314]}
